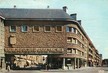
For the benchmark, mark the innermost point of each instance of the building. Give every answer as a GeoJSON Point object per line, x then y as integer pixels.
{"type": "Point", "coordinates": [50, 32]}
{"type": "Point", "coordinates": [2, 55]}
{"type": "Point", "coordinates": [105, 62]}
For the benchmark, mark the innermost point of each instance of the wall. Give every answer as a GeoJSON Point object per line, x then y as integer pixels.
{"type": "Point", "coordinates": [2, 56]}
{"type": "Point", "coordinates": [32, 39]}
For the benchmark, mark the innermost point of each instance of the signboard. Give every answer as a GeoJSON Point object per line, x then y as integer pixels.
{"type": "Point", "coordinates": [34, 50]}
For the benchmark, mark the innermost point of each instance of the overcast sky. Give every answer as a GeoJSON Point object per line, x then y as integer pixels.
{"type": "Point", "coordinates": [93, 13]}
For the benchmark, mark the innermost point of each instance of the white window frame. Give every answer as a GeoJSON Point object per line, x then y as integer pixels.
{"type": "Point", "coordinates": [35, 30]}
{"type": "Point", "coordinates": [45, 28]}
{"type": "Point", "coordinates": [22, 28]}
{"type": "Point", "coordinates": [61, 28]}
{"type": "Point", "coordinates": [11, 29]}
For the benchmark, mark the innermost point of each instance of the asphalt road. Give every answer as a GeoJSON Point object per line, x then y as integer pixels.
{"type": "Point", "coordinates": [84, 70]}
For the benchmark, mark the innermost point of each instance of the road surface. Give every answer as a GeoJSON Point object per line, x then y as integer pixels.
{"type": "Point", "coordinates": [83, 70]}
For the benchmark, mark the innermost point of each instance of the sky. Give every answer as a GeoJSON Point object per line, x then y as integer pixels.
{"type": "Point", "coordinates": [92, 13]}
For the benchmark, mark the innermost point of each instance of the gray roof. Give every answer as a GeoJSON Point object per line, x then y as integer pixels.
{"type": "Point", "coordinates": [47, 14]}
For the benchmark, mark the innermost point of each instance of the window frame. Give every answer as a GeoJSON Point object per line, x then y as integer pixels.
{"type": "Point", "coordinates": [45, 28]}
{"type": "Point", "coordinates": [71, 29]}
{"type": "Point", "coordinates": [35, 30]}
{"type": "Point", "coordinates": [61, 28]}
{"type": "Point", "coordinates": [69, 50]}
{"type": "Point", "coordinates": [11, 28]}
{"type": "Point", "coordinates": [69, 40]}
{"type": "Point", "coordinates": [22, 28]}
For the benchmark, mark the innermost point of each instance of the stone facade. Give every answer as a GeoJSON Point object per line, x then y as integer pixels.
{"type": "Point", "coordinates": [2, 54]}
{"type": "Point", "coordinates": [1, 38]}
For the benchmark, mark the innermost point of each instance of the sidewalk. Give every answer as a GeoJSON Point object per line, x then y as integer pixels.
{"type": "Point", "coordinates": [52, 70]}
{"type": "Point", "coordinates": [61, 70]}
{"type": "Point", "coordinates": [3, 70]}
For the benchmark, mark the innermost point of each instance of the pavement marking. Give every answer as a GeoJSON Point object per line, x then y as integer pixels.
{"type": "Point", "coordinates": [101, 71]}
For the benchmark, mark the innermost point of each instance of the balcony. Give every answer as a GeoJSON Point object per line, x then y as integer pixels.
{"type": "Point", "coordinates": [71, 56]}
{"type": "Point", "coordinates": [70, 34]}
{"type": "Point", "coordinates": [76, 46]}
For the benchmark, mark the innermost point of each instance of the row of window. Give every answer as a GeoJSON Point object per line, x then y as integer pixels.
{"type": "Point", "coordinates": [74, 41]}
{"type": "Point", "coordinates": [90, 51]}
{"type": "Point", "coordinates": [24, 28]}
{"type": "Point", "coordinates": [74, 30]}
{"type": "Point", "coordinates": [71, 29]}
{"type": "Point", "coordinates": [71, 40]}
{"type": "Point", "coordinates": [74, 51]}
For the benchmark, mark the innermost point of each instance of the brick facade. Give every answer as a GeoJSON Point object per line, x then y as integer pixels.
{"type": "Point", "coordinates": [32, 39]}
{"type": "Point", "coordinates": [70, 46]}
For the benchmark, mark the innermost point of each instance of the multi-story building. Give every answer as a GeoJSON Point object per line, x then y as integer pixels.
{"type": "Point", "coordinates": [105, 62]}
{"type": "Point", "coordinates": [2, 56]}
{"type": "Point", "coordinates": [49, 32]}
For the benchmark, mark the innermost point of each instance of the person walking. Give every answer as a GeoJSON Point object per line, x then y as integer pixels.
{"type": "Point", "coordinates": [8, 66]}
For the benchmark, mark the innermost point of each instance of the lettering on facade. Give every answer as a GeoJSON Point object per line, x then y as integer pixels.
{"type": "Point", "coordinates": [34, 50]}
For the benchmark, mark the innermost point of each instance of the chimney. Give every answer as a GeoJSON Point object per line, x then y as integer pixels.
{"type": "Point", "coordinates": [65, 8]}
{"type": "Point", "coordinates": [79, 21]}
{"type": "Point", "coordinates": [73, 16]}
{"type": "Point", "coordinates": [14, 6]}
{"type": "Point", "coordinates": [48, 7]}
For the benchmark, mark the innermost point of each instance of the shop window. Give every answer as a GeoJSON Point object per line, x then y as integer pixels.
{"type": "Point", "coordinates": [68, 61]}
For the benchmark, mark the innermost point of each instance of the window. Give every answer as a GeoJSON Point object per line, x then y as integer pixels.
{"type": "Point", "coordinates": [68, 61]}
{"type": "Point", "coordinates": [47, 28]}
{"type": "Point", "coordinates": [79, 33]}
{"type": "Point", "coordinates": [69, 50]}
{"type": "Point", "coordinates": [82, 53]}
{"type": "Point", "coordinates": [69, 40]}
{"type": "Point", "coordinates": [68, 29]}
{"type": "Point", "coordinates": [24, 28]}
{"type": "Point", "coordinates": [59, 28]}
{"type": "Point", "coordinates": [36, 29]}
{"type": "Point", "coordinates": [73, 51]}
{"type": "Point", "coordinates": [71, 29]}
{"type": "Point", "coordinates": [12, 28]}
{"type": "Point", "coordinates": [74, 40]}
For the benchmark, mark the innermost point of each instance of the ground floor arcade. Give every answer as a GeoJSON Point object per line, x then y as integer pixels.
{"type": "Point", "coordinates": [53, 62]}
{"type": "Point", "coordinates": [66, 63]}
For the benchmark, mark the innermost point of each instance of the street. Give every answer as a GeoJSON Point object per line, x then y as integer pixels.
{"type": "Point", "coordinates": [83, 70]}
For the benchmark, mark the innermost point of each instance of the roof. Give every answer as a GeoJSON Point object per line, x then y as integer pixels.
{"type": "Point", "coordinates": [47, 14]}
